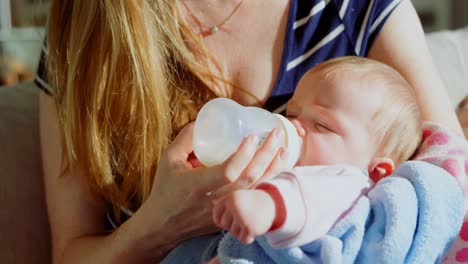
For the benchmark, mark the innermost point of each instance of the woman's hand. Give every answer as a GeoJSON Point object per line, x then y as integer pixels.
{"type": "Point", "coordinates": [180, 193]}
{"type": "Point", "coordinates": [248, 165]}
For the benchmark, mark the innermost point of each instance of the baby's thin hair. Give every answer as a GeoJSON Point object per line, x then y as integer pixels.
{"type": "Point", "coordinates": [396, 125]}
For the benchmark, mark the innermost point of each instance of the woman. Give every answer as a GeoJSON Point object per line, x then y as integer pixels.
{"type": "Point", "coordinates": [127, 76]}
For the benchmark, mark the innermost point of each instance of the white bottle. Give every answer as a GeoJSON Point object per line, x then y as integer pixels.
{"type": "Point", "coordinates": [222, 124]}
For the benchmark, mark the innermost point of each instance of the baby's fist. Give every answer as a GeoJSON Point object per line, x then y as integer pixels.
{"type": "Point", "coordinates": [246, 214]}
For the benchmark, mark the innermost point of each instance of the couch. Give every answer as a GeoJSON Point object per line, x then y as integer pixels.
{"type": "Point", "coordinates": [24, 229]}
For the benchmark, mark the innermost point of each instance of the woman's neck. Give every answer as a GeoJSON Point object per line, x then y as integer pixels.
{"type": "Point", "coordinates": [208, 12]}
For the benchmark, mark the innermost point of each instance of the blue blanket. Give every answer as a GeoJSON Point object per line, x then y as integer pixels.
{"type": "Point", "coordinates": [411, 217]}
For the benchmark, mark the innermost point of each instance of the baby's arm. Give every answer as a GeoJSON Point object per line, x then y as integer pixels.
{"type": "Point", "coordinates": [411, 217]}
{"type": "Point", "coordinates": [246, 214]}
{"type": "Point", "coordinates": [295, 208]}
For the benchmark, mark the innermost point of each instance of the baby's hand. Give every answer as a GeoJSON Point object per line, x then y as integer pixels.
{"type": "Point", "coordinates": [246, 214]}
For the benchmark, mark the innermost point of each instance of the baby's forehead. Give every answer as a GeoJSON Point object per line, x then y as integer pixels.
{"type": "Point", "coordinates": [333, 80]}
{"type": "Point", "coordinates": [351, 78]}
{"type": "Point", "coordinates": [341, 87]}
{"type": "Point", "coordinates": [340, 71]}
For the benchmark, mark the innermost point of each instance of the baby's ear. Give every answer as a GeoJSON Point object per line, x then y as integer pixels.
{"type": "Point", "coordinates": [380, 167]}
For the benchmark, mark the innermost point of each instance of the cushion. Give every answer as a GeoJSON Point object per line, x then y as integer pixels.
{"type": "Point", "coordinates": [24, 230]}
{"type": "Point", "coordinates": [450, 52]}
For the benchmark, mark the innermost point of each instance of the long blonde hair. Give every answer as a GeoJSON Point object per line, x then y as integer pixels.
{"type": "Point", "coordinates": [125, 83]}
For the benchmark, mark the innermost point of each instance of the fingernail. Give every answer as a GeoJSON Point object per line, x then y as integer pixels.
{"type": "Point", "coordinates": [279, 133]}
{"type": "Point", "coordinates": [283, 153]}
{"type": "Point", "coordinates": [254, 140]}
{"type": "Point", "coordinates": [275, 132]}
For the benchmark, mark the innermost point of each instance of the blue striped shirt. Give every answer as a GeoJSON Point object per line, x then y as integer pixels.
{"type": "Point", "coordinates": [319, 30]}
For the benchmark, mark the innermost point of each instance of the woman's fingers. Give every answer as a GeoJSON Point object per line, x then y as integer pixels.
{"type": "Point", "coordinates": [262, 160]}
{"type": "Point", "coordinates": [235, 165]}
{"type": "Point", "coordinates": [276, 166]}
{"type": "Point", "coordinates": [248, 166]}
{"type": "Point", "coordinates": [184, 140]}
{"type": "Point", "coordinates": [178, 151]}
{"type": "Point", "coordinates": [221, 176]}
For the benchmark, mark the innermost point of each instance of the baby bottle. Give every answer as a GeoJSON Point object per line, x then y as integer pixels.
{"type": "Point", "coordinates": [222, 124]}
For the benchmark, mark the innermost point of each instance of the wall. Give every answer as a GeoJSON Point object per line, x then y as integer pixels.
{"type": "Point", "coordinates": [460, 13]}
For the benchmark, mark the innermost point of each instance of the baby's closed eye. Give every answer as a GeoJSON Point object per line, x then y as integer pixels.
{"type": "Point", "coordinates": [323, 128]}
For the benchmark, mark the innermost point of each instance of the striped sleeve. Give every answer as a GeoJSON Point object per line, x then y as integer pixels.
{"type": "Point", "coordinates": [41, 79]}
{"type": "Point", "coordinates": [363, 20]}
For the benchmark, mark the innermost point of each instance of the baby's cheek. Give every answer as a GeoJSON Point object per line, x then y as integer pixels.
{"type": "Point", "coordinates": [326, 149]}
{"type": "Point", "coordinates": [316, 154]}
{"type": "Point", "coordinates": [334, 155]}
{"type": "Point", "coordinates": [356, 155]}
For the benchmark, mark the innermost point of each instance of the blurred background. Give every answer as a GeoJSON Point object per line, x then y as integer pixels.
{"type": "Point", "coordinates": [22, 30]}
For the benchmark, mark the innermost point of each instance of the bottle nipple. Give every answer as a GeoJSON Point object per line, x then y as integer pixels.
{"type": "Point", "coordinates": [293, 141]}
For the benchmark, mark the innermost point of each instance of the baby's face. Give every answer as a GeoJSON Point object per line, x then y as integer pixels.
{"type": "Point", "coordinates": [333, 114]}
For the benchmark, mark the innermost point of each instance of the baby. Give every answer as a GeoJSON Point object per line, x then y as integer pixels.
{"type": "Point", "coordinates": [350, 111]}
{"type": "Point", "coordinates": [358, 121]}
